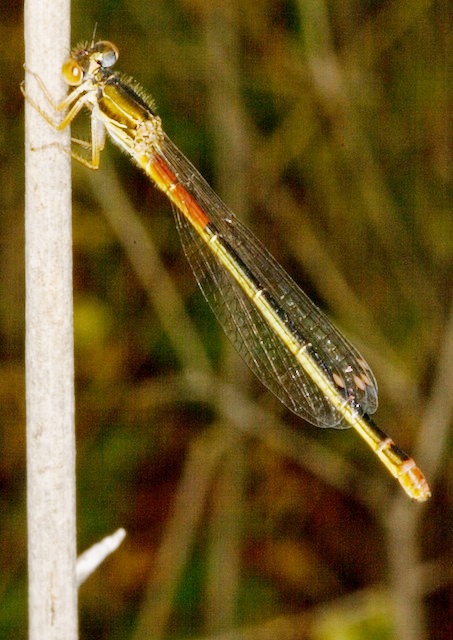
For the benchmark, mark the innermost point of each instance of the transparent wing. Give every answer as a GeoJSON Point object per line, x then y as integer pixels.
{"type": "Point", "coordinates": [252, 336]}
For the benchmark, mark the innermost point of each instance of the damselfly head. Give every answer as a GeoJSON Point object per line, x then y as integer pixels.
{"type": "Point", "coordinates": [85, 61]}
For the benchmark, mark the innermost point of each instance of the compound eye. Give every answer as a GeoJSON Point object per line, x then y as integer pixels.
{"type": "Point", "coordinates": [72, 72]}
{"type": "Point", "coordinates": [106, 53]}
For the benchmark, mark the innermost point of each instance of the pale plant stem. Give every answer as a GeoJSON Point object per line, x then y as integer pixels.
{"type": "Point", "coordinates": [49, 337]}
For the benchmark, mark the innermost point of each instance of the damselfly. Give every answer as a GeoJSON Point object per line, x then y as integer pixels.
{"type": "Point", "coordinates": [285, 339]}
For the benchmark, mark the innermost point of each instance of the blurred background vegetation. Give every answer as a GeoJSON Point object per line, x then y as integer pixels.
{"type": "Point", "coordinates": [324, 125]}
